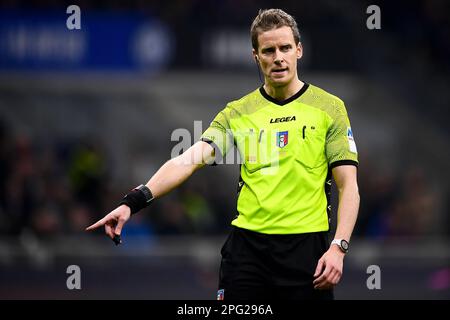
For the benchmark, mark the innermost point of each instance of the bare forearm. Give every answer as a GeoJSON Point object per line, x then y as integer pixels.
{"type": "Point", "coordinates": [347, 211]}
{"type": "Point", "coordinates": [177, 170]}
{"type": "Point", "coordinates": [172, 174]}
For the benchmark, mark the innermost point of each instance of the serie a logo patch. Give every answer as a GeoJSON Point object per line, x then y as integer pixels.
{"type": "Point", "coordinates": [351, 140]}
{"type": "Point", "coordinates": [220, 294]}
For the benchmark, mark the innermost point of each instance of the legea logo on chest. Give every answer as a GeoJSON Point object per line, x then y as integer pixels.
{"type": "Point", "coordinates": [282, 119]}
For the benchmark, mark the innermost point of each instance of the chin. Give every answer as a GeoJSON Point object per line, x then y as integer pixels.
{"type": "Point", "coordinates": [279, 82]}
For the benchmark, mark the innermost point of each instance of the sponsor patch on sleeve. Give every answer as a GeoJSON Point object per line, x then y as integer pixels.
{"type": "Point", "coordinates": [351, 140]}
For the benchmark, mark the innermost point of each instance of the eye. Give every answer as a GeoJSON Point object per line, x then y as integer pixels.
{"type": "Point", "coordinates": [286, 48]}
{"type": "Point", "coordinates": [268, 50]}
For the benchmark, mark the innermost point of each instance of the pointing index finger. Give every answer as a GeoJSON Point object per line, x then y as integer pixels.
{"type": "Point", "coordinates": [99, 223]}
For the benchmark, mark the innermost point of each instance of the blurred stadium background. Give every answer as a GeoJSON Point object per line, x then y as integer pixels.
{"type": "Point", "coordinates": [87, 114]}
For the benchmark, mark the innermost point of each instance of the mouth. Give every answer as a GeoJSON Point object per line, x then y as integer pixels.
{"type": "Point", "coordinates": [279, 71]}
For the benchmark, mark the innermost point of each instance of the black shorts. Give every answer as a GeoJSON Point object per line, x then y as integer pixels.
{"type": "Point", "coordinates": [265, 266]}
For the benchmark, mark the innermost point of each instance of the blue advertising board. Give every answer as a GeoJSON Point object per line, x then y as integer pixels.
{"type": "Point", "coordinates": [42, 41]}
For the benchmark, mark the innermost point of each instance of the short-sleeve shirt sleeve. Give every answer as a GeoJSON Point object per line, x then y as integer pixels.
{"type": "Point", "coordinates": [219, 135]}
{"type": "Point", "coordinates": [340, 145]}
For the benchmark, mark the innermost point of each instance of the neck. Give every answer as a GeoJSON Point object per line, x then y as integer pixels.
{"type": "Point", "coordinates": [283, 92]}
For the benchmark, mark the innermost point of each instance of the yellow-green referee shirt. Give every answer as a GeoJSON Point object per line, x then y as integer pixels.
{"type": "Point", "coordinates": [288, 149]}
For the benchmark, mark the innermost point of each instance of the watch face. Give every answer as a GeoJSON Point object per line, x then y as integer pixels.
{"type": "Point", "coordinates": [344, 245]}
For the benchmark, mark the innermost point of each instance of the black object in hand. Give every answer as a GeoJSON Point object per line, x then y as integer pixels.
{"type": "Point", "coordinates": [117, 240]}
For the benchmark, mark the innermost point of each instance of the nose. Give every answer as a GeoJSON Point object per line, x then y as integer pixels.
{"type": "Point", "coordinates": [278, 58]}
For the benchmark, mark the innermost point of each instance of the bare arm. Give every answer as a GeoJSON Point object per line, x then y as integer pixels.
{"type": "Point", "coordinates": [333, 259]}
{"type": "Point", "coordinates": [346, 182]}
{"type": "Point", "coordinates": [177, 170]}
{"type": "Point", "coordinates": [173, 173]}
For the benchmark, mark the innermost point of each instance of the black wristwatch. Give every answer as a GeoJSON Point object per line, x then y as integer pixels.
{"type": "Point", "coordinates": [342, 244]}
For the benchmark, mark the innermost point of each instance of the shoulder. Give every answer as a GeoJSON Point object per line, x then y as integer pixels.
{"type": "Point", "coordinates": [319, 98]}
{"type": "Point", "coordinates": [323, 95]}
{"type": "Point", "coordinates": [235, 109]}
{"type": "Point", "coordinates": [245, 105]}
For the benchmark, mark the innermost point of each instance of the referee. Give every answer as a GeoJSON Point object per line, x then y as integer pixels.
{"type": "Point", "coordinates": [293, 137]}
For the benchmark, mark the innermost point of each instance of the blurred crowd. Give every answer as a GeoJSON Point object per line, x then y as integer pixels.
{"type": "Point", "coordinates": [400, 203]}
{"type": "Point", "coordinates": [48, 189]}
{"type": "Point", "coordinates": [61, 188]}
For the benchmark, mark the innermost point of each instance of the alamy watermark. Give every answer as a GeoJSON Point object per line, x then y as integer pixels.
{"type": "Point", "coordinates": [73, 281]}
{"type": "Point", "coordinates": [263, 147]}
{"type": "Point", "coordinates": [374, 280]}
{"type": "Point", "coordinates": [74, 20]}
{"type": "Point", "coordinates": [374, 20]}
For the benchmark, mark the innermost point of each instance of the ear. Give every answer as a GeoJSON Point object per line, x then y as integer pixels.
{"type": "Point", "coordinates": [255, 55]}
{"type": "Point", "coordinates": [299, 50]}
